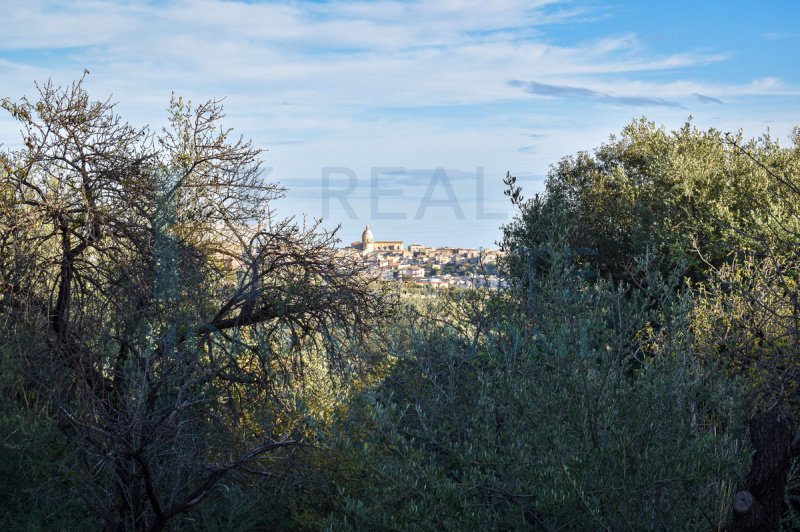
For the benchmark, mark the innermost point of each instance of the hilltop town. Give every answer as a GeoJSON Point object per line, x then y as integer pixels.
{"type": "Point", "coordinates": [427, 266]}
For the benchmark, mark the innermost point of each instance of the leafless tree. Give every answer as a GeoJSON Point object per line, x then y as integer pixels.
{"type": "Point", "coordinates": [152, 300]}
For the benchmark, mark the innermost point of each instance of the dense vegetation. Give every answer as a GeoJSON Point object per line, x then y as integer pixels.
{"type": "Point", "coordinates": [172, 355]}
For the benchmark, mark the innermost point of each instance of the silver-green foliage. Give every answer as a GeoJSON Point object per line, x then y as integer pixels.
{"type": "Point", "coordinates": [582, 407]}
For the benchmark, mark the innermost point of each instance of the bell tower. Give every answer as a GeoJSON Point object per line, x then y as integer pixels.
{"type": "Point", "coordinates": [367, 240]}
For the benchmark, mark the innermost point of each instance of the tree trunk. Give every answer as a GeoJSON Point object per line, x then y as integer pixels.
{"type": "Point", "coordinates": [760, 505]}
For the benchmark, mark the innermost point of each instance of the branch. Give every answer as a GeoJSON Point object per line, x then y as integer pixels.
{"type": "Point", "coordinates": [194, 498]}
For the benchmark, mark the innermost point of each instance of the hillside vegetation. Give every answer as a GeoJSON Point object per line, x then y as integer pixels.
{"type": "Point", "coordinates": [174, 356]}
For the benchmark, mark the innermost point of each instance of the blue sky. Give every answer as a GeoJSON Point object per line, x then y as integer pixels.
{"type": "Point", "coordinates": [379, 95]}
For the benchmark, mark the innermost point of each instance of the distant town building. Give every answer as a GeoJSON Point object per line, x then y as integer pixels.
{"type": "Point", "coordinates": [426, 266]}
{"type": "Point", "coordinates": [418, 248]}
{"type": "Point", "coordinates": [415, 272]}
{"type": "Point", "coordinates": [368, 243]}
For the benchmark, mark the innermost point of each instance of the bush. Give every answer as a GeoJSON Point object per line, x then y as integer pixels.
{"type": "Point", "coordinates": [582, 406]}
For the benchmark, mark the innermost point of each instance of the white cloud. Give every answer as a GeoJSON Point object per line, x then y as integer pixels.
{"type": "Point", "coordinates": [363, 84]}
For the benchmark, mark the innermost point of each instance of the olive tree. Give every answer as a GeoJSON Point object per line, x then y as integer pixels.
{"type": "Point", "coordinates": [671, 193]}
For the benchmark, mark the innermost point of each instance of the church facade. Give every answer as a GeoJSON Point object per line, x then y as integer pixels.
{"type": "Point", "coordinates": [368, 244]}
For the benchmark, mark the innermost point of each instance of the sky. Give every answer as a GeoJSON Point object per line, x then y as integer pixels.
{"type": "Point", "coordinates": [406, 115]}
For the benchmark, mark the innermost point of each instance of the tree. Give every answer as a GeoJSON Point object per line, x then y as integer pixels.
{"type": "Point", "coordinates": [669, 193]}
{"type": "Point", "coordinates": [728, 209]}
{"type": "Point", "coordinates": [153, 304]}
{"type": "Point", "coordinates": [747, 321]}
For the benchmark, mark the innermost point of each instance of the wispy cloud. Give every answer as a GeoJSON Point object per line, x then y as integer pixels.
{"type": "Point", "coordinates": [778, 36]}
{"type": "Point", "coordinates": [564, 91]}
{"type": "Point", "coordinates": [559, 91]}
{"type": "Point", "coordinates": [416, 177]}
{"type": "Point", "coordinates": [412, 84]}
{"type": "Point", "coordinates": [285, 143]}
{"type": "Point", "coordinates": [702, 98]}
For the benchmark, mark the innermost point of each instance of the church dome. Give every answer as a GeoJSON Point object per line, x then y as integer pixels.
{"type": "Point", "coordinates": [366, 236]}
